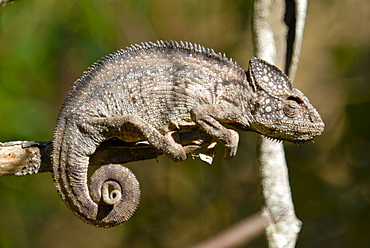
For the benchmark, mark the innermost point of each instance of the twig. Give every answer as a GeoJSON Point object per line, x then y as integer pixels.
{"type": "Point", "coordinates": [236, 235]}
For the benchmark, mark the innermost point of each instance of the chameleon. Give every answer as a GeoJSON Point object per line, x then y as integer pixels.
{"type": "Point", "coordinates": [150, 91]}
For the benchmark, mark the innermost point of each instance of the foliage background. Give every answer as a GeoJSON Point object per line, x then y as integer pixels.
{"type": "Point", "coordinates": [46, 45]}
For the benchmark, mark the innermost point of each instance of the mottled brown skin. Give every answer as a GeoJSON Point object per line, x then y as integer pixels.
{"type": "Point", "coordinates": [148, 92]}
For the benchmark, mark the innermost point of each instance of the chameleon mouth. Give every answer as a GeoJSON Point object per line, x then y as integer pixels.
{"type": "Point", "coordinates": [290, 142]}
{"type": "Point", "coordinates": [272, 138]}
{"type": "Point", "coordinates": [299, 142]}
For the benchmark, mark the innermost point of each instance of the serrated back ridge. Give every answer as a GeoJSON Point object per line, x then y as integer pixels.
{"type": "Point", "coordinates": [192, 47]}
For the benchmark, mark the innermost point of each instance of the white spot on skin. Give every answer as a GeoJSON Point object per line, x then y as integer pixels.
{"type": "Point", "coordinates": [268, 109]}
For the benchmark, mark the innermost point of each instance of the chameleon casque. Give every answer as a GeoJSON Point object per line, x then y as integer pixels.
{"type": "Point", "coordinates": [145, 93]}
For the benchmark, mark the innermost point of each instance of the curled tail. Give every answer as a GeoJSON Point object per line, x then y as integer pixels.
{"type": "Point", "coordinates": [113, 193]}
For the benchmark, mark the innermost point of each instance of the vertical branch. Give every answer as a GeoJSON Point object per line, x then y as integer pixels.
{"type": "Point", "coordinates": [271, 35]}
{"type": "Point", "coordinates": [295, 19]}
{"type": "Point", "coordinates": [282, 224]}
{"type": "Point", "coordinates": [270, 31]}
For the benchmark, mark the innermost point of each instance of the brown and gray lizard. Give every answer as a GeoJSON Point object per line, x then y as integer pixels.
{"type": "Point", "coordinates": [149, 91]}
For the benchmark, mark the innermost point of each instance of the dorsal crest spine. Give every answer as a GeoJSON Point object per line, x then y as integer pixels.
{"type": "Point", "coordinates": [196, 48]}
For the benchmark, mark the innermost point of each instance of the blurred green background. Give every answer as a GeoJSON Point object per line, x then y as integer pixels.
{"type": "Point", "coordinates": [46, 45]}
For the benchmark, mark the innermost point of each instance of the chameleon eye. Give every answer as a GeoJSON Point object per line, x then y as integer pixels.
{"type": "Point", "coordinates": [292, 107]}
{"type": "Point", "coordinates": [295, 99]}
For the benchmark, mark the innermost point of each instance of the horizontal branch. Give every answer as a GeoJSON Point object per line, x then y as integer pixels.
{"type": "Point", "coordinates": [30, 157]}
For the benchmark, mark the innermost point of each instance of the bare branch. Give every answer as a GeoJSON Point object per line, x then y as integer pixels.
{"type": "Point", "coordinates": [236, 235]}
{"type": "Point", "coordinates": [270, 34]}
{"type": "Point", "coordinates": [299, 14]}
{"type": "Point", "coordinates": [283, 226]}
{"type": "Point", "coordinates": [29, 157]}
{"type": "Point", "coordinates": [16, 155]}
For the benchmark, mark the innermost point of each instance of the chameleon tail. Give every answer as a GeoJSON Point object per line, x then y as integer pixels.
{"type": "Point", "coordinates": [113, 193]}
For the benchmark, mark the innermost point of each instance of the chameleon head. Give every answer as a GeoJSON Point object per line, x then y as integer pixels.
{"type": "Point", "coordinates": [279, 110]}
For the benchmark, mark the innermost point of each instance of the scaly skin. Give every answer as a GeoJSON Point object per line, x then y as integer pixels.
{"type": "Point", "coordinates": [149, 91]}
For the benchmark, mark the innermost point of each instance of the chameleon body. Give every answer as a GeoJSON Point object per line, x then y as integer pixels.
{"type": "Point", "coordinates": [148, 92]}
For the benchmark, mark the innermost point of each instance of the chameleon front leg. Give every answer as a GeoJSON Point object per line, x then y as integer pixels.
{"type": "Point", "coordinates": [209, 117]}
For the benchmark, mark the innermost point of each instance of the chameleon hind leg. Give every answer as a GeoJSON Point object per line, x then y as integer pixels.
{"type": "Point", "coordinates": [133, 128]}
